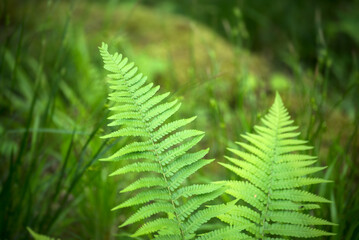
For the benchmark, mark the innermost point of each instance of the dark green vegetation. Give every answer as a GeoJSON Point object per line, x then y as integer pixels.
{"type": "Point", "coordinates": [53, 97]}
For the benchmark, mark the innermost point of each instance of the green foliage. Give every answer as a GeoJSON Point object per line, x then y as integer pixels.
{"type": "Point", "coordinates": [52, 101]}
{"type": "Point", "coordinates": [161, 154]}
{"type": "Point", "coordinates": [274, 171]}
{"type": "Point", "coordinates": [272, 166]}
{"type": "Point", "coordinates": [37, 236]}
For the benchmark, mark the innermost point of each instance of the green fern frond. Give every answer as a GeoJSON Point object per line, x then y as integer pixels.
{"type": "Point", "coordinates": [160, 153]}
{"type": "Point", "coordinates": [273, 170]}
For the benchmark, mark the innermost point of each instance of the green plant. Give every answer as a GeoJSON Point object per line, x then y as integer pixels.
{"type": "Point", "coordinates": [272, 199]}
{"type": "Point", "coordinates": [273, 172]}
{"type": "Point", "coordinates": [172, 211]}
{"type": "Point", "coordinates": [37, 236]}
{"type": "Point", "coordinates": [270, 202]}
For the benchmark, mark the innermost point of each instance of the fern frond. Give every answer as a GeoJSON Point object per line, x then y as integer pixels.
{"type": "Point", "coordinates": [274, 169]}
{"type": "Point", "coordinates": [160, 152]}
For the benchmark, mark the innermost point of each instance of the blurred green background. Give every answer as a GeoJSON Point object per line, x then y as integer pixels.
{"type": "Point", "coordinates": [223, 59]}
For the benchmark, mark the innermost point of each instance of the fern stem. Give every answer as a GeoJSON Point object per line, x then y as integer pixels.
{"type": "Point", "coordinates": [273, 157]}
{"type": "Point", "coordinates": [139, 109]}
{"type": "Point", "coordinates": [168, 188]}
{"type": "Point", "coordinates": [162, 170]}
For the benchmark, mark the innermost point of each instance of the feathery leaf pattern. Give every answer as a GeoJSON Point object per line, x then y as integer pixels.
{"type": "Point", "coordinates": [160, 152]}
{"type": "Point", "coordinates": [273, 169]}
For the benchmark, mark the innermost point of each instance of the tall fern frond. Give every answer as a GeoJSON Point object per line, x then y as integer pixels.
{"type": "Point", "coordinates": [160, 154]}
{"type": "Point", "coordinates": [274, 169]}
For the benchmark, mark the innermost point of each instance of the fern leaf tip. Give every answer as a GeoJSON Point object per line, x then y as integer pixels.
{"type": "Point", "coordinates": [277, 97]}
{"type": "Point", "coordinates": [103, 46]}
